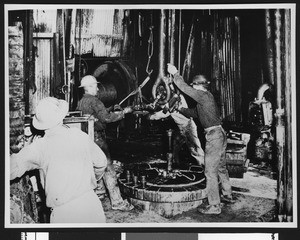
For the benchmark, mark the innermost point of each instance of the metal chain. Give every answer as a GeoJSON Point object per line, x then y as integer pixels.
{"type": "Point", "coordinates": [150, 50]}
{"type": "Point", "coordinates": [179, 174]}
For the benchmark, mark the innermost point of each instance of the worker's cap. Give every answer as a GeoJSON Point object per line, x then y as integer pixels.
{"type": "Point", "coordinates": [200, 80]}
{"type": "Point", "coordinates": [49, 112]}
{"type": "Point", "coordinates": [88, 80]}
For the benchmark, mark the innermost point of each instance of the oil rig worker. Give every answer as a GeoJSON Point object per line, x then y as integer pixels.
{"type": "Point", "coordinates": [70, 164]}
{"type": "Point", "coordinates": [209, 116]}
{"type": "Point", "coordinates": [90, 104]}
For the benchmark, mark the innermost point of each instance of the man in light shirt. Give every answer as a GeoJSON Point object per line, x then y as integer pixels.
{"type": "Point", "coordinates": [70, 164]}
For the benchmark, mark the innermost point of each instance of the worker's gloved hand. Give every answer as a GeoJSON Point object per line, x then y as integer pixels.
{"type": "Point", "coordinates": [171, 69]}
{"type": "Point", "coordinates": [176, 106]}
{"type": "Point", "coordinates": [117, 107]}
{"type": "Point", "coordinates": [128, 110]}
{"type": "Point", "coordinates": [168, 80]}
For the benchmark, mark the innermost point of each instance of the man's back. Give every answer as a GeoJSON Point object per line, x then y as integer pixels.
{"type": "Point", "coordinates": [65, 158]}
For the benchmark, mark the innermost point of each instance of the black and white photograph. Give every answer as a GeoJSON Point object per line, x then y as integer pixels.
{"type": "Point", "coordinates": [145, 115]}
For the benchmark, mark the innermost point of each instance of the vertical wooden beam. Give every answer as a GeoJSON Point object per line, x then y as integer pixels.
{"type": "Point", "coordinates": [279, 117]}
{"type": "Point", "coordinates": [29, 85]}
{"type": "Point", "coordinates": [70, 22]}
{"type": "Point", "coordinates": [60, 28]}
{"type": "Point", "coordinates": [288, 107]}
{"type": "Point", "coordinates": [55, 84]}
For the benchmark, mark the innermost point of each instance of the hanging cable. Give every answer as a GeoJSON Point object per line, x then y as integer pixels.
{"type": "Point", "coordinates": [150, 50]}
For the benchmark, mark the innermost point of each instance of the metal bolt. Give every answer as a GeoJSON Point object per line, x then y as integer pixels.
{"type": "Point", "coordinates": [128, 176]}
{"type": "Point", "coordinates": [135, 180]}
{"type": "Point", "coordinates": [143, 181]}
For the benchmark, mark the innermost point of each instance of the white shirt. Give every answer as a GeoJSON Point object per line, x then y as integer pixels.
{"type": "Point", "coordinates": [69, 162]}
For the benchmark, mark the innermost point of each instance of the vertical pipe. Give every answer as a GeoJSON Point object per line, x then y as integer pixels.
{"type": "Point", "coordinates": [269, 46]}
{"type": "Point", "coordinates": [179, 41]}
{"type": "Point", "coordinates": [189, 53]}
{"type": "Point", "coordinates": [288, 107]}
{"type": "Point", "coordinates": [170, 150]}
{"type": "Point", "coordinates": [162, 44]}
{"type": "Point", "coordinates": [56, 74]}
{"type": "Point", "coordinates": [220, 69]}
{"type": "Point", "coordinates": [172, 36]}
{"type": "Point", "coordinates": [79, 47]}
{"type": "Point", "coordinates": [224, 70]}
{"type": "Point", "coordinates": [233, 43]}
{"type": "Point", "coordinates": [125, 45]}
{"type": "Point", "coordinates": [232, 70]}
{"type": "Point", "coordinates": [169, 27]}
{"type": "Point", "coordinates": [227, 66]}
{"type": "Point", "coordinates": [223, 85]}
{"type": "Point", "coordinates": [237, 65]}
{"type": "Point", "coordinates": [279, 116]}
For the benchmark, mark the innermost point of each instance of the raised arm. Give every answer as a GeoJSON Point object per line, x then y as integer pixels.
{"type": "Point", "coordinates": [183, 86]}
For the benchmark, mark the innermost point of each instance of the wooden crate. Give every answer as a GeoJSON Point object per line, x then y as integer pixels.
{"type": "Point", "coordinates": [83, 122]}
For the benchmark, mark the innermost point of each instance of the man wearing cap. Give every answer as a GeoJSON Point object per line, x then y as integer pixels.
{"type": "Point", "coordinates": [209, 116]}
{"type": "Point", "coordinates": [70, 164]}
{"type": "Point", "coordinates": [92, 105]}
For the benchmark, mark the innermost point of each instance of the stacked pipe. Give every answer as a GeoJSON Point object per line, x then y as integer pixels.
{"type": "Point", "coordinates": [226, 63]}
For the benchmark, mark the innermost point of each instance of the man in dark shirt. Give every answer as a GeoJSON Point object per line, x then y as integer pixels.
{"type": "Point", "coordinates": [90, 104]}
{"type": "Point", "coordinates": [209, 116]}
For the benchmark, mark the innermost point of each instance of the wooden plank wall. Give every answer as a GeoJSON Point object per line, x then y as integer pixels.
{"type": "Point", "coordinates": [99, 32]}
{"type": "Point", "coordinates": [44, 27]}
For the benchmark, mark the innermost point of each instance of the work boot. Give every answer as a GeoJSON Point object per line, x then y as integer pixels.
{"type": "Point", "coordinates": [210, 209]}
{"type": "Point", "coordinates": [102, 196]}
{"type": "Point", "coordinates": [227, 199]}
{"type": "Point", "coordinates": [124, 206]}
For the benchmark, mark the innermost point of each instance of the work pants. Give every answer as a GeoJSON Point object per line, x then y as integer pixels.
{"type": "Point", "coordinates": [84, 209]}
{"type": "Point", "coordinates": [188, 135]}
{"type": "Point", "coordinates": [215, 165]}
{"type": "Point", "coordinates": [110, 176]}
